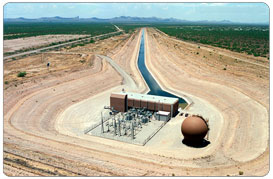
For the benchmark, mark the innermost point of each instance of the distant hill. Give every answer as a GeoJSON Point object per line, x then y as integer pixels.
{"type": "Point", "coordinates": [121, 19]}
{"type": "Point", "coordinates": [42, 19]}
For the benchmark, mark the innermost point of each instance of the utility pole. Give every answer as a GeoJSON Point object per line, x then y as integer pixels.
{"type": "Point", "coordinates": [125, 130]}
{"type": "Point", "coordinates": [108, 126]}
{"type": "Point", "coordinates": [115, 127]}
{"type": "Point", "coordinates": [132, 130]}
{"type": "Point", "coordinates": [119, 133]}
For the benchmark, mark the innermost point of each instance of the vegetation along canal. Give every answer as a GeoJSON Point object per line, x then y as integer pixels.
{"type": "Point", "coordinates": [151, 82]}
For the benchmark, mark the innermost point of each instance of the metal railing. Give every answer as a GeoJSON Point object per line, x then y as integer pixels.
{"type": "Point", "coordinates": [106, 117]}
{"type": "Point", "coordinates": [153, 134]}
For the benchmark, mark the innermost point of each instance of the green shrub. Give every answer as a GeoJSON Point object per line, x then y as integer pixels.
{"type": "Point", "coordinates": [82, 61]}
{"type": "Point", "coordinates": [250, 39]}
{"type": "Point", "coordinates": [241, 172]}
{"type": "Point", "coordinates": [22, 74]}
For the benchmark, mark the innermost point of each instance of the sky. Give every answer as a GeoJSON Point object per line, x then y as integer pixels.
{"type": "Point", "coordinates": [235, 12]}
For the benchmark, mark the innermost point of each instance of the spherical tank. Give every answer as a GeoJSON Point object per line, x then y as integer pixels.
{"type": "Point", "coordinates": [194, 128]}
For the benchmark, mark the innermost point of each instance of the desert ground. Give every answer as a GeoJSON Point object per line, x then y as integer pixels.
{"type": "Point", "coordinates": [46, 111]}
{"type": "Point", "coordinates": [37, 41]}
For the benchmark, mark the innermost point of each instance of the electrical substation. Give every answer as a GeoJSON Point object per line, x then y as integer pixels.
{"type": "Point", "coordinates": [134, 118]}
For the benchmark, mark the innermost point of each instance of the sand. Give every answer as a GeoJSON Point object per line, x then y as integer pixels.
{"type": "Point", "coordinates": [37, 41]}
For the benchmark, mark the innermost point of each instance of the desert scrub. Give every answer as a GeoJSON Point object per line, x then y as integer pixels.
{"type": "Point", "coordinates": [22, 74]}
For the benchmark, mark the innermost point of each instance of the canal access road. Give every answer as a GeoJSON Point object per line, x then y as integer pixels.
{"type": "Point", "coordinates": [127, 79]}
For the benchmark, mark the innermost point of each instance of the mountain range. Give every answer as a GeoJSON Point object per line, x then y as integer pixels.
{"type": "Point", "coordinates": [121, 19]}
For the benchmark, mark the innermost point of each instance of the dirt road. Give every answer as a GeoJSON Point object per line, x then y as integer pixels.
{"type": "Point", "coordinates": [127, 79]}
{"type": "Point", "coordinates": [59, 45]}
{"type": "Point", "coordinates": [37, 41]}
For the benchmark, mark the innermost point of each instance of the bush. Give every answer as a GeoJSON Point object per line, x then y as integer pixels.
{"type": "Point", "coordinates": [22, 74]}
{"type": "Point", "coordinates": [82, 61]}
{"type": "Point", "coordinates": [241, 172]}
{"type": "Point", "coordinates": [6, 82]}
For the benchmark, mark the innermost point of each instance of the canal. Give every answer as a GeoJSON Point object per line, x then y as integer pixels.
{"type": "Point", "coordinates": [151, 82]}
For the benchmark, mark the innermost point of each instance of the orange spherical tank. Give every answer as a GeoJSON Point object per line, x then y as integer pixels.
{"type": "Point", "coordinates": [194, 128]}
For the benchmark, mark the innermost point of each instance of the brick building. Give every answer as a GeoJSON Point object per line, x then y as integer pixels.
{"type": "Point", "coordinates": [124, 100]}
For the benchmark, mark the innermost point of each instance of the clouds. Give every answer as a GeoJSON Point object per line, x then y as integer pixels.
{"type": "Point", "coordinates": [214, 4]}
{"type": "Point", "coordinates": [237, 12]}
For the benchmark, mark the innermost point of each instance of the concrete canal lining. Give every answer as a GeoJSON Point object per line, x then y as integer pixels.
{"type": "Point", "coordinates": [154, 87]}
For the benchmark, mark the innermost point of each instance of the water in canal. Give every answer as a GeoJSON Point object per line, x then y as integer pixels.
{"type": "Point", "coordinates": [154, 87]}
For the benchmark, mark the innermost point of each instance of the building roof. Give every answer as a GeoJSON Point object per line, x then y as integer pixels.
{"type": "Point", "coordinates": [151, 98]}
{"type": "Point", "coordinates": [163, 113]}
{"type": "Point", "coordinates": [118, 95]}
